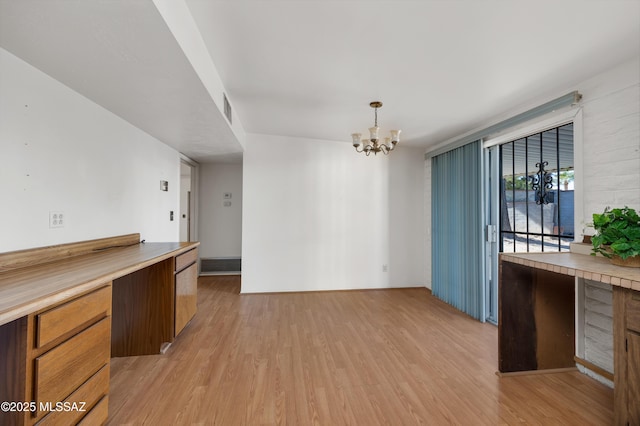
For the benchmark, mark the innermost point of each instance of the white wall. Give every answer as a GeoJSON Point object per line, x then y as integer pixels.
{"type": "Point", "coordinates": [611, 164]}
{"type": "Point", "coordinates": [61, 152]}
{"type": "Point", "coordinates": [318, 216]}
{"type": "Point", "coordinates": [406, 218]}
{"type": "Point", "coordinates": [220, 225]}
{"type": "Point", "coordinates": [611, 112]}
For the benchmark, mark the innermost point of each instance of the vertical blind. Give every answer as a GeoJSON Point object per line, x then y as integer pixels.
{"type": "Point", "coordinates": [457, 229]}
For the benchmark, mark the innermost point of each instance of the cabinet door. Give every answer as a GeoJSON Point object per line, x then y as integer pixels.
{"type": "Point", "coordinates": [186, 296]}
{"type": "Point", "coordinates": [633, 381]}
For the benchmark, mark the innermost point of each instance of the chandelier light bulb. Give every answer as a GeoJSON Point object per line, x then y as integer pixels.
{"type": "Point", "coordinates": [395, 136]}
{"type": "Point", "coordinates": [373, 133]}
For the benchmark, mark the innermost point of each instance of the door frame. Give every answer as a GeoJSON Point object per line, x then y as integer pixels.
{"type": "Point", "coordinates": [492, 190]}
{"type": "Point", "coordinates": [192, 197]}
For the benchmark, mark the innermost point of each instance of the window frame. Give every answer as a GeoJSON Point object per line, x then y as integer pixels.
{"type": "Point", "coordinates": [555, 119]}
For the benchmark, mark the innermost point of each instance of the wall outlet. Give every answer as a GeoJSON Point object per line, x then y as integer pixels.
{"type": "Point", "coordinates": [384, 268]}
{"type": "Point", "coordinates": [56, 219]}
{"type": "Point", "coordinates": [227, 203]}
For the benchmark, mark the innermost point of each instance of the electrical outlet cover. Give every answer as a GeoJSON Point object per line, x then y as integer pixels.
{"type": "Point", "coordinates": [56, 219]}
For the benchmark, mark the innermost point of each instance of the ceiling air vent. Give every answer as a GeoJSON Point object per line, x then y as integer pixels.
{"type": "Point", "coordinates": [227, 108]}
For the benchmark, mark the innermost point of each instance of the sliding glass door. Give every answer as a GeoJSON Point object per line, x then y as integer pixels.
{"type": "Point", "coordinates": [529, 200]}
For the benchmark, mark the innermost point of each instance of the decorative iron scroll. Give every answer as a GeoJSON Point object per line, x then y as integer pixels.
{"type": "Point", "coordinates": [541, 183]}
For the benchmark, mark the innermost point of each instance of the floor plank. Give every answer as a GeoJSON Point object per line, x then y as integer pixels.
{"type": "Point", "coordinates": [369, 357]}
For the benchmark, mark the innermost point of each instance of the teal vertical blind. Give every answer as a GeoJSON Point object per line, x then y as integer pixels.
{"type": "Point", "coordinates": [457, 229]}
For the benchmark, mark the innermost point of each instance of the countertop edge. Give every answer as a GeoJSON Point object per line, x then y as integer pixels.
{"type": "Point", "coordinates": [595, 268]}
{"type": "Point", "coordinates": [74, 289]}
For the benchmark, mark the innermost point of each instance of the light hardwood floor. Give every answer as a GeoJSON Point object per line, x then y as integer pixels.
{"type": "Point", "coordinates": [395, 357]}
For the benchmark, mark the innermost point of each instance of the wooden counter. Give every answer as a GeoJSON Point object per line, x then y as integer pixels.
{"type": "Point", "coordinates": [596, 268]}
{"type": "Point", "coordinates": [65, 310]}
{"type": "Point", "coordinates": [537, 323]}
{"type": "Point", "coordinates": [28, 289]}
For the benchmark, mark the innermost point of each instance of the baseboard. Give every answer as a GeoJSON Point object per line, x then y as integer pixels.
{"type": "Point", "coordinates": [213, 274]}
{"type": "Point", "coordinates": [220, 265]}
{"type": "Point", "coordinates": [533, 372]}
{"type": "Point", "coordinates": [594, 368]}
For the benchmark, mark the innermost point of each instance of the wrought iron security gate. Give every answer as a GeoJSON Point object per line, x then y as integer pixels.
{"type": "Point", "coordinates": [536, 192]}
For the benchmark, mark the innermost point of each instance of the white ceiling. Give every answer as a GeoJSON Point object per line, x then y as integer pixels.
{"type": "Point", "coordinates": [121, 55]}
{"type": "Point", "coordinates": [309, 68]}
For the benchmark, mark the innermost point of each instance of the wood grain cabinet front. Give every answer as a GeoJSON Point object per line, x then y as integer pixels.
{"type": "Point", "coordinates": [186, 296]}
{"type": "Point", "coordinates": [63, 319]}
{"type": "Point", "coordinates": [186, 259]}
{"type": "Point", "coordinates": [81, 402]}
{"type": "Point", "coordinates": [68, 359]}
{"type": "Point", "coordinates": [64, 368]}
{"type": "Point", "coordinates": [186, 289]}
{"type": "Point", "coordinates": [626, 324]}
{"type": "Point", "coordinates": [98, 414]}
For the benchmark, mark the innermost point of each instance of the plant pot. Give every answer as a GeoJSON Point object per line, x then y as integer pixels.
{"type": "Point", "coordinates": [630, 262]}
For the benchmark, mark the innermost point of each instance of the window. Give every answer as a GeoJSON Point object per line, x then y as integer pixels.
{"type": "Point", "coordinates": [536, 192]}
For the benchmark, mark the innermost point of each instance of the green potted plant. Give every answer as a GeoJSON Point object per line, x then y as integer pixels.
{"type": "Point", "coordinates": [617, 236]}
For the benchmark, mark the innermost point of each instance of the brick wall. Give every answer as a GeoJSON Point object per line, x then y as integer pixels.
{"type": "Point", "coordinates": [611, 114]}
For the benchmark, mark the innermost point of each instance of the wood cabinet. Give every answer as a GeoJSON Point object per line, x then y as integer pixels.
{"type": "Point", "coordinates": [92, 391]}
{"type": "Point", "coordinates": [66, 310]}
{"type": "Point", "coordinates": [626, 326]}
{"type": "Point", "coordinates": [536, 319]}
{"type": "Point", "coordinates": [143, 311]}
{"type": "Point", "coordinates": [13, 349]}
{"type": "Point", "coordinates": [67, 358]}
{"type": "Point", "coordinates": [186, 289]}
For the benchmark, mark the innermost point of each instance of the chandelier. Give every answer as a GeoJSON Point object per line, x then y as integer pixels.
{"type": "Point", "coordinates": [372, 145]}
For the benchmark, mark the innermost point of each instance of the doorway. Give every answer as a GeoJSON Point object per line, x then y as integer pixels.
{"type": "Point", "coordinates": [187, 200]}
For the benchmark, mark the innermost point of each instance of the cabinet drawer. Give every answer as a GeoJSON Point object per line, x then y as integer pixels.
{"type": "Point", "coordinates": [63, 369]}
{"type": "Point", "coordinates": [98, 414]}
{"type": "Point", "coordinates": [633, 311]}
{"type": "Point", "coordinates": [89, 393]}
{"type": "Point", "coordinates": [63, 319]}
{"type": "Point", "coordinates": [186, 259]}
